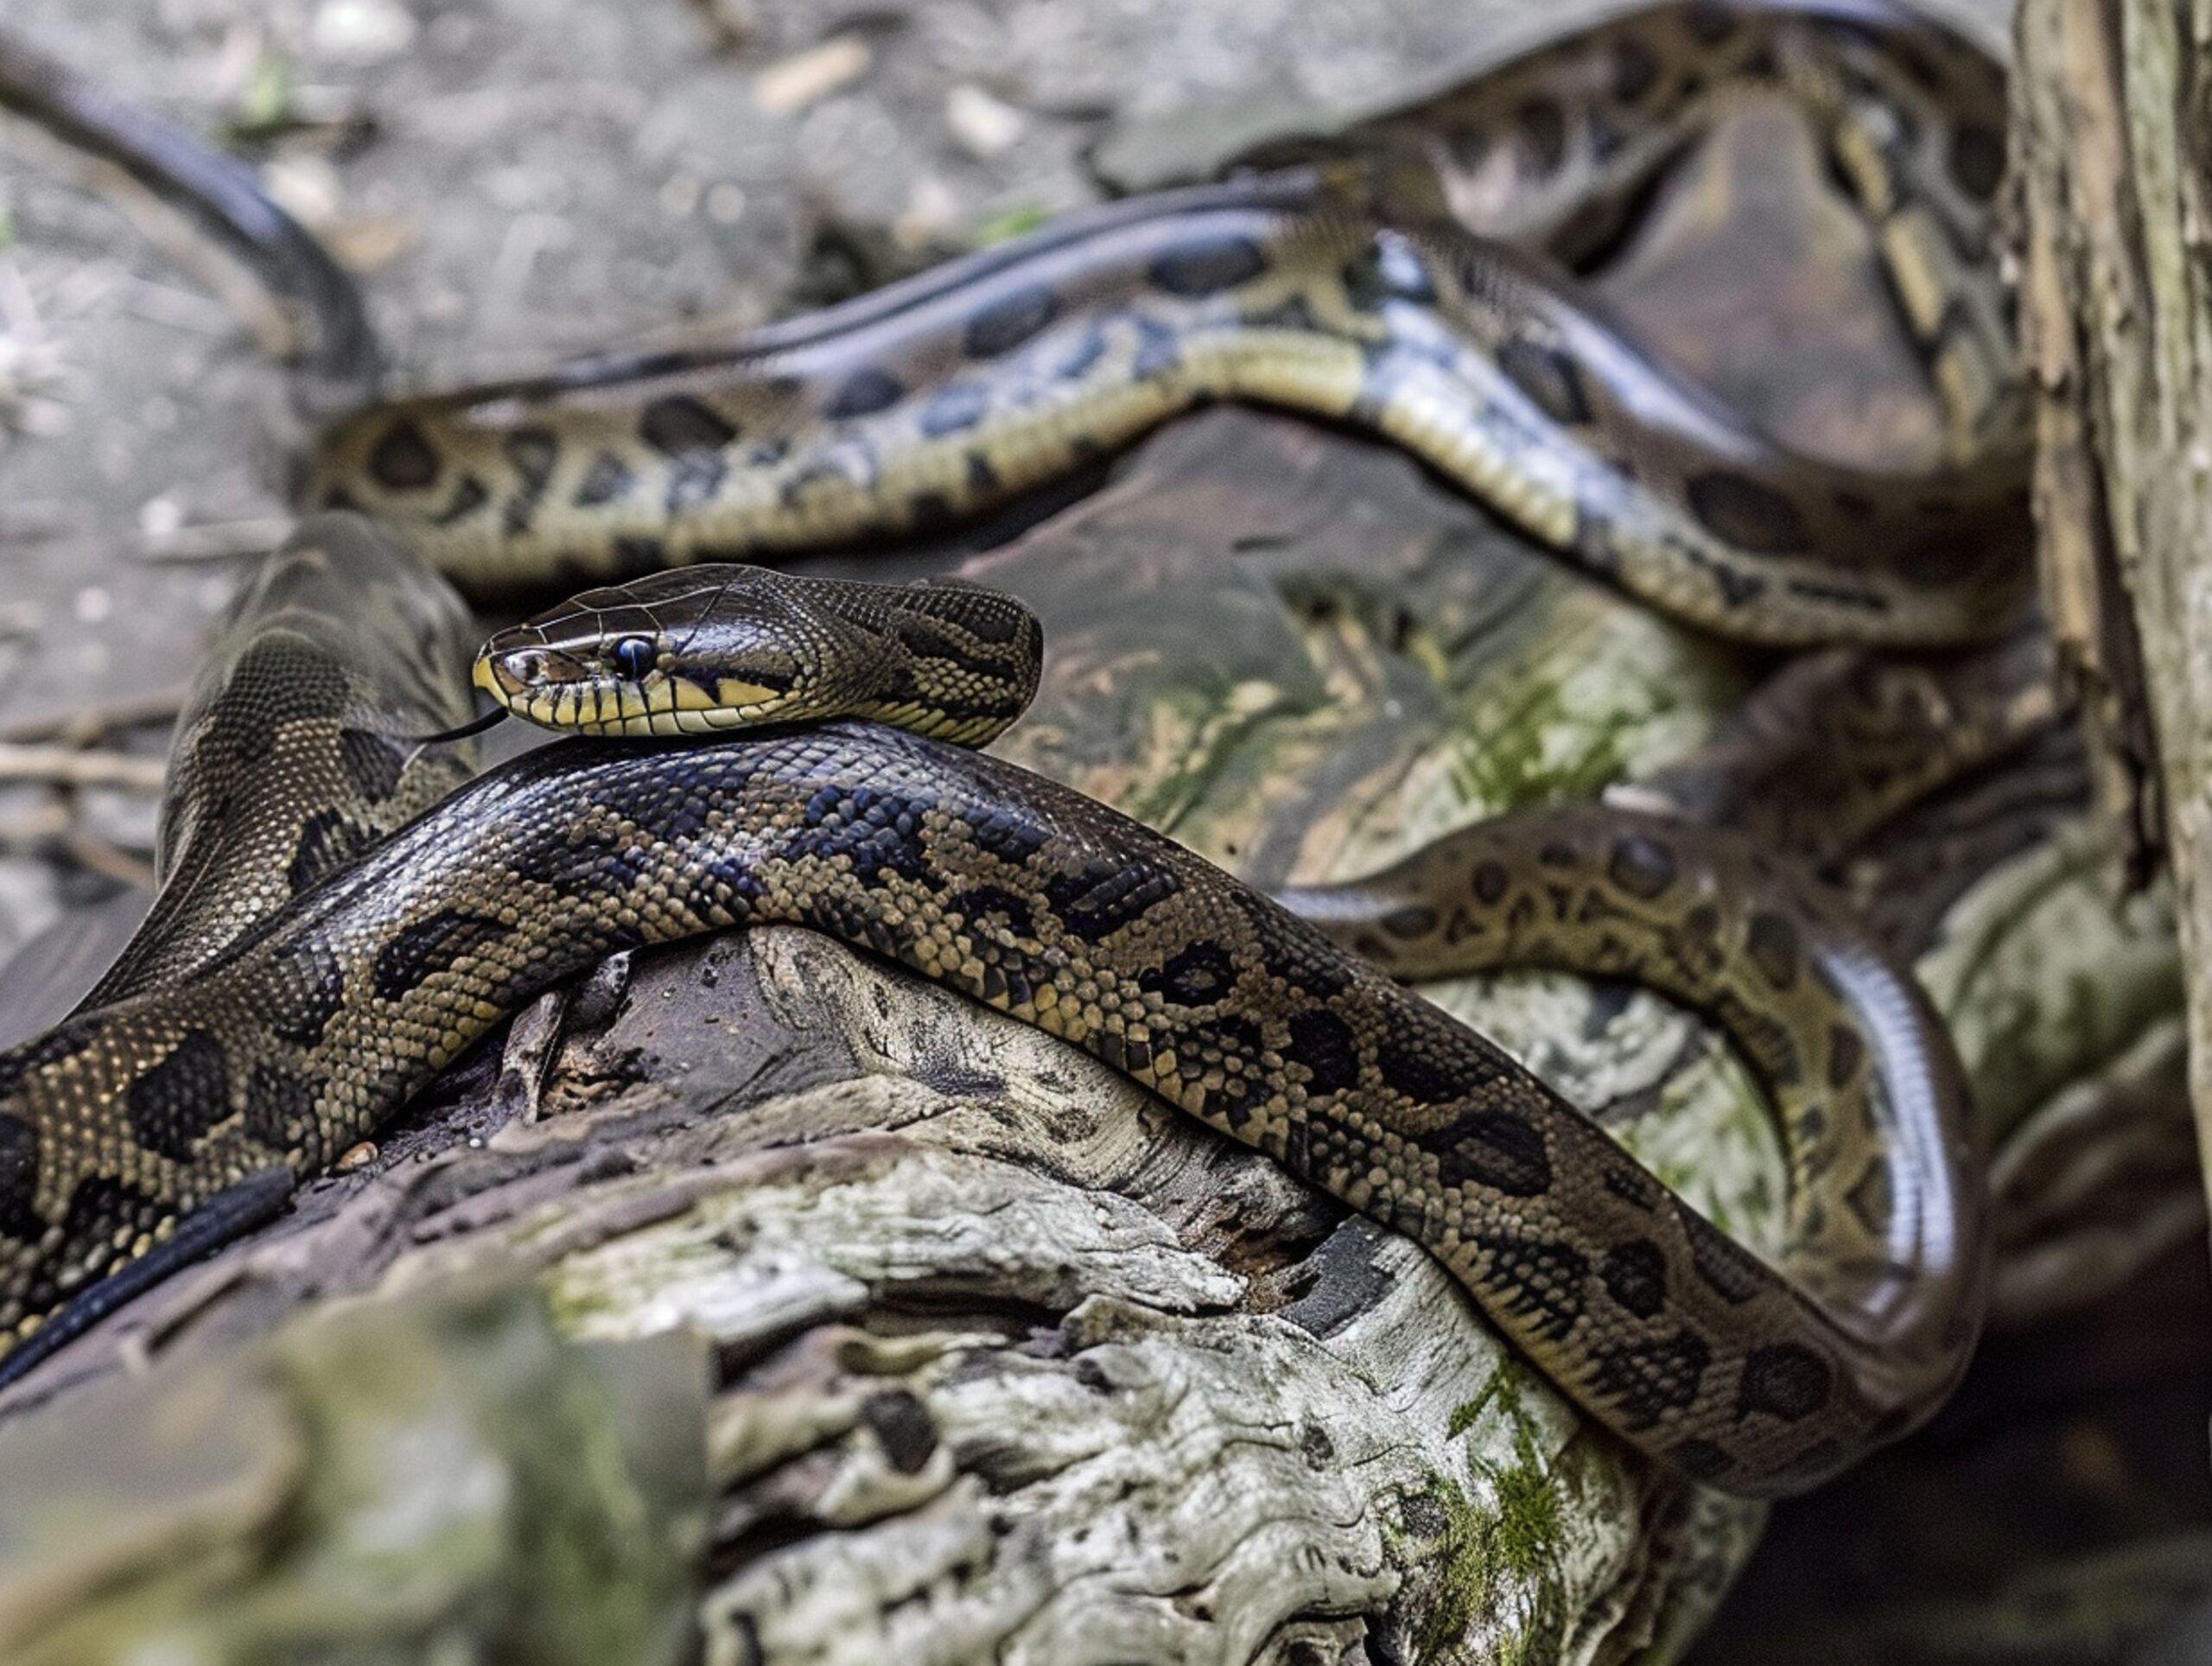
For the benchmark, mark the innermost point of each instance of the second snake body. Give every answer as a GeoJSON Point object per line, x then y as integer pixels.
{"type": "Point", "coordinates": [1369, 292]}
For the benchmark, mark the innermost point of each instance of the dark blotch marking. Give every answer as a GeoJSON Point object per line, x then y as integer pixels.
{"type": "Point", "coordinates": [1408, 1067]}
{"type": "Point", "coordinates": [1730, 1271]}
{"type": "Point", "coordinates": [468, 497]}
{"type": "Point", "coordinates": [1845, 1053]}
{"type": "Point", "coordinates": [1158, 350]}
{"type": "Point", "coordinates": [1010, 321]}
{"type": "Point", "coordinates": [402, 460]}
{"type": "Point", "coordinates": [606, 481]}
{"type": "Point", "coordinates": [1549, 377]}
{"type": "Point", "coordinates": [1635, 1276]}
{"type": "Point", "coordinates": [1088, 349]}
{"type": "Point", "coordinates": [37, 1053]}
{"type": "Point", "coordinates": [98, 1206]}
{"type": "Point", "coordinates": [1323, 1044]}
{"type": "Point", "coordinates": [1542, 126]}
{"type": "Point", "coordinates": [982, 479]}
{"type": "Point", "coordinates": [1492, 880]}
{"type": "Point", "coordinates": [1198, 976]}
{"type": "Point", "coordinates": [1305, 960]}
{"type": "Point", "coordinates": [1540, 1280]}
{"type": "Point", "coordinates": [1499, 1150]}
{"type": "Point", "coordinates": [994, 904]}
{"type": "Point", "coordinates": [902, 1426]}
{"type": "Point", "coordinates": [1207, 265]}
{"type": "Point", "coordinates": [1746, 513]}
{"type": "Point", "coordinates": [1699, 1458]}
{"type": "Point", "coordinates": [1647, 1380]}
{"type": "Point", "coordinates": [430, 947]}
{"type": "Point", "coordinates": [1711, 22]}
{"type": "Point", "coordinates": [1414, 920]}
{"type": "Point", "coordinates": [1635, 1188]}
{"type": "Point", "coordinates": [1634, 69]}
{"type": "Point", "coordinates": [329, 840]}
{"type": "Point", "coordinates": [1003, 832]}
{"type": "Point", "coordinates": [1467, 147]}
{"type": "Point", "coordinates": [373, 763]}
{"type": "Point", "coordinates": [954, 408]}
{"type": "Point", "coordinates": [1871, 1199]}
{"type": "Point", "coordinates": [678, 425]}
{"type": "Point", "coordinates": [878, 831]}
{"type": "Point", "coordinates": [1292, 315]}
{"type": "Point", "coordinates": [1977, 160]}
{"type": "Point", "coordinates": [1773, 945]}
{"type": "Point", "coordinates": [1605, 134]}
{"type": "Point", "coordinates": [173, 1105]}
{"type": "Point", "coordinates": [19, 1155]}
{"type": "Point", "coordinates": [532, 453]}
{"type": "Point", "coordinates": [863, 393]}
{"type": "Point", "coordinates": [1388, 269]}
{"type": "Point", "coordinates": [1104, 896]}
{"type": "Point", "coordinates": [279, 1105]}
{"type": "Point", "coordinates": [1785, 1380]}
{"type": "Point", "coordinates": [1641, 866]}
{"type": "Point", "coordinates": [311, 987]}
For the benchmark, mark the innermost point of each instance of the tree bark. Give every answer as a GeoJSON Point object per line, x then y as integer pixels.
{"type": "Point", "coordinates": [2111, 146]}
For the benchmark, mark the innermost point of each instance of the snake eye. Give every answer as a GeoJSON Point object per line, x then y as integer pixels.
{"type": "Point", "coordinates": [633, 656]}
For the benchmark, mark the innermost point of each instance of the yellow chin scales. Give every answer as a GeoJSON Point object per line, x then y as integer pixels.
{"type": "Point", "coordinates": [754, 699]}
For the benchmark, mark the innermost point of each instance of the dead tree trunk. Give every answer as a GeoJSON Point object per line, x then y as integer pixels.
{"type": "Point", "coordinates": [2112, 133]}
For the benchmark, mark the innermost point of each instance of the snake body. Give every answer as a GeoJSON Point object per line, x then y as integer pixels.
{"type": "Point", "coordinates": [183, 1105]}
{"type": "Point", "coordinates": [1357, 293]}
{"type": "Point", "coordinates": [1035, 899]}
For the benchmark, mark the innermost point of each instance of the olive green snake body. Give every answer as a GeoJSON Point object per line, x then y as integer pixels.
{"type": "Point", "coordinates": [278, 1035]}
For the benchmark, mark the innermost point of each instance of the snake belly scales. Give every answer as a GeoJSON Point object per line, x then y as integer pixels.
{"type": "Point", "coordinates": [280, 1004]}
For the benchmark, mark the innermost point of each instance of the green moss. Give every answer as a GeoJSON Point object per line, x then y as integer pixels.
{"type": "Point", "coordinates": [1213, 724]}
{"type": "Point", "coordinates": [265, 106]}
{"type": "Point", "coordinates": [1514, 1537]}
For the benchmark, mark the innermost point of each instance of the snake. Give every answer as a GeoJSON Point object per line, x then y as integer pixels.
{"type": "Point", "coordinates": [1409, 292]}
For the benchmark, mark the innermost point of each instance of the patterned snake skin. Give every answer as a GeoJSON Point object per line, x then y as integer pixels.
{"type": "Point", "coordinates": [149, 1125]}
{"type": "Point", "coordinates": [1357, 292]}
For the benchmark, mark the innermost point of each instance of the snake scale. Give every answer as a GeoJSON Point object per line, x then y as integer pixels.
{"type": "Point", "coordinates": [256, 1030]}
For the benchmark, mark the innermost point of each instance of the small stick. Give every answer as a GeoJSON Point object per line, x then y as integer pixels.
{"type": "Point", "coordinates": [86, 724]}
{"type": "Point", "coordinates": [63, 766]}
{"type": "Point", "coordinates": [97, 854]}
{"type": "Point", "coordinates": [213, 541]}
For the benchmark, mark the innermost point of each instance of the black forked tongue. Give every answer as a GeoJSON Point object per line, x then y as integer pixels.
{"type": "Point", "coordinates": [477, 726]}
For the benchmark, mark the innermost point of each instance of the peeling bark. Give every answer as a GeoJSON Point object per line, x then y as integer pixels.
{"type": "Point", "coordinates": [2111, 148]}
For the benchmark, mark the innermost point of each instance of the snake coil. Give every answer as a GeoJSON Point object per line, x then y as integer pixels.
{"type": "Point", "coordinates": [288, 998]}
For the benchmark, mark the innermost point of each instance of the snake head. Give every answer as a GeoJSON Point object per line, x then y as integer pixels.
{"type": "Point", "coordinates": [690, 652]}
